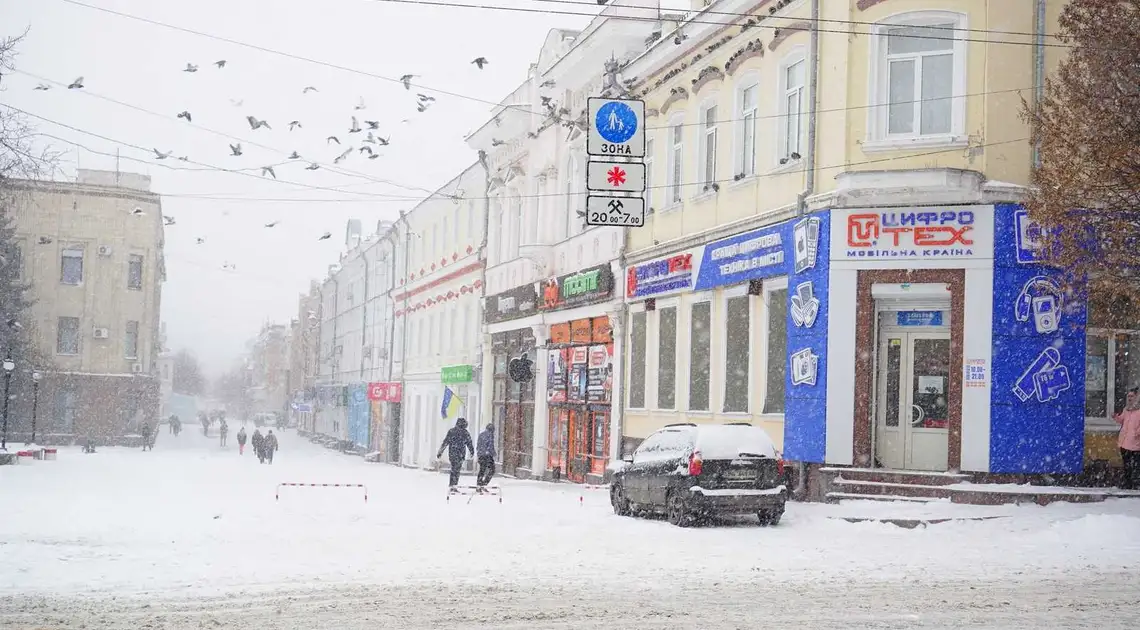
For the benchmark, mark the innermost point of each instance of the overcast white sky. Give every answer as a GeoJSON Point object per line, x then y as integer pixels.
{"type": "Point", "coordinates": [206, 308]}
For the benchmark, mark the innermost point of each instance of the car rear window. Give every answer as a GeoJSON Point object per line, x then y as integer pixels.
{"type": "Point", "coordinates": [664, 445]}
{"type": "Point", "coordinates": [728, 442]}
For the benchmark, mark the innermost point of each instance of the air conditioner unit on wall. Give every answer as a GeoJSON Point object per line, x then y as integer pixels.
{"type": "Point", "coordinates": [101, 333]}
{"type": "Point", "coordinates": [105, 250]}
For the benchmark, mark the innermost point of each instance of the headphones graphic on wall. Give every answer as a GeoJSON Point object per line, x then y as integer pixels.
{"type": "Point", "coordinates": [1042, 299]}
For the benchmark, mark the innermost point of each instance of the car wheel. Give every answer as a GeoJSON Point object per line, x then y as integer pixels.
{"type": "Point", "coordinates": [618, 500]}
{"type": "Point", "coordinates": [770, 518]}
{"type": "Point", "coordinates": [677, 511]}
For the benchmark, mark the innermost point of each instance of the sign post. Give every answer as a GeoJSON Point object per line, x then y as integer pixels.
{"type": "Point", "coordinates": [617, 132]}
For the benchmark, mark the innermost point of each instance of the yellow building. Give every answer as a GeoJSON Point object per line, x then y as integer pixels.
{"type": "Point", "coordinates": [883, 138]}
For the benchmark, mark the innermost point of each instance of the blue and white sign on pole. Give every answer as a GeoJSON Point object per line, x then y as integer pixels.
{"type": "Point", "coordinates": [617, 128]}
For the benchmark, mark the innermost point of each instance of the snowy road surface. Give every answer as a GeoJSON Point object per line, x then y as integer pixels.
{"type": "Point", "coordinates": [190, 536]}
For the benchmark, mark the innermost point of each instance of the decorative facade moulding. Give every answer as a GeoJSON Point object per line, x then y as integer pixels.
{"type": "Point", "coordinates": [675, 95]}
{"type": "Point", "coordinates": [707, 75]}
{"type": "Point", "coordinates": [754, 48]}
{"type": "Point", "coordinates": [786, 32]}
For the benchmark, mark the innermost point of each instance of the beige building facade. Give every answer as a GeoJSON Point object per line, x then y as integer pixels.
{"type": "Point", "coordinates": [92, 254]}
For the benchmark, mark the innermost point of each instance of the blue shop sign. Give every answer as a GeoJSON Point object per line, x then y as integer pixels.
{"type": "Point", "coordinates": [749, 256]}
{"type": "Point", "coordinates": [919, 318]}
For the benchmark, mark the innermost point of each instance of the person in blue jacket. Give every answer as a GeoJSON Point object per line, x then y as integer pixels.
{"type": "Point", "coordinates": [486, 455]}
{"type": "Point", "coordinates": [456, 443]}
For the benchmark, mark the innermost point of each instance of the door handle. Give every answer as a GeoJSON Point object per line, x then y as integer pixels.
{"type": "Point", "coordinates": [921, 416]}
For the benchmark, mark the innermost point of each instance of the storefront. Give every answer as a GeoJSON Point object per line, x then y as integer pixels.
{"type": "Point", "coordinates": [512, 403]}
{"type": "Point", "coordinates": [924, 338]}
{"type": "Point", "coordinates": [385, 400]}
{"type": "Point", "coordinates": [579, 382]}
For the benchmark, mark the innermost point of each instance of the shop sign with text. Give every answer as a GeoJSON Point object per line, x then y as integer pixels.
{"type": "Point", "coordinates": [519, 302]}
{"type": "Point", "coordinates": [386, 392]}
{"type": "Point", "coordinates": [452, 374]}
{"type": "Point", "coordinates": [676, 273]}
{"type": "Point", "coordinates": [906, 235]}
{"type": "Point", "coordinates": [744, 257]}
{"type": "Point", "coordinates": [574, 289]}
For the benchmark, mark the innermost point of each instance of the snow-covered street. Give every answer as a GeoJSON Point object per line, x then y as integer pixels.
{"type": "Point", "coordinates": [190, 535]}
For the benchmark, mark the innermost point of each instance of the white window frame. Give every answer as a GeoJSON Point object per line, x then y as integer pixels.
{"type": "Point", "coordinates": [770, 285]}
{"type": "Point", "coordinates": [675, 163]}
{"type": "Point", "coordinates": [650, 146]}
{"type": "Point", "coordinates": [73, 252]}
{"type": "Point", "coordinates": [721, 356]}
{"type": "Point", "coordinates": [1106, 423]}
{"type": "Point", "coordinates": [126, 337]}
{"type": "Point", "coordinates": [653, 325]}
{"type": "Point", "coordinates": [743, 164]}
{"type": "Point", "coordinates": [707, 134]}
{"type": "Point", "coordinates": [878, 89]}
{"type": "Point", "coordinates": [703, 297]}
{"type": "Point", "coordinates": [634, 309]}
{"type": "Point", "coordinates": [566, 230]}
{"type": "Point", "coordinates": [784, 119]}
{"type": "Point", "coordinates": [78, 336]}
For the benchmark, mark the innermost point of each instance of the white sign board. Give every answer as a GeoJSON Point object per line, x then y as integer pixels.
{"type": "Point", "coordinates": [619, 211]}
{"type": "Point", "coordinates": [615, 177]}
{"type": "Point", "coordinates": [912, 236]}
{"type": "Point", "coordinates": [617, 128]}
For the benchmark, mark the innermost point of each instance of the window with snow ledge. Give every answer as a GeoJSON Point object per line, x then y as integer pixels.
{"type": "Point", "coordinates": [737, 349]}
{"type": "Point", "coordinates": [790, 135]}
{"type": "Point", "coordinates": [747, 107]}
{"type": "Point", "coordinates": [637, 348]}
{"type": "Point", "coordinates": [917, 81]}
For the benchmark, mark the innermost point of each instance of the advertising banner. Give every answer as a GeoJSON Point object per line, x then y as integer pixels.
{"type": "Point", "coordinates": [907, 235]}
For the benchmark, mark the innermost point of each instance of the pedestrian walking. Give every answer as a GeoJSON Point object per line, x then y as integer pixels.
{"type": "Point", "coordinates": [1129, 439]}
{"type": "Point", "coordinates": [241, 441]}
{"type": "Point", "coordinates": [456, 443]}
{"type": "Point", "coordinates": [486, 455]}
{"type": "Point", "coordinates": [224, 431]}
{"type": "Point", "coordinates": [270, 446]}
{"type": "Point", "coordinates": [145, 432]}
{"type": "Point", "coordinates": [258, 442]}
{"type": "Point", "coordinates": [177, 424]}
{"type": "Point", "coordinates": [170, 422]}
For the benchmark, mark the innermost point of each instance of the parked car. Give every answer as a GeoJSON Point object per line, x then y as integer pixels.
{"type": "Point", "coordinates": [689, 472]}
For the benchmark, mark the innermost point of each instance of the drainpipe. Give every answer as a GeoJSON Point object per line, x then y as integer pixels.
{"type": "Point", "coordinates": [621, 314]}
{"type": "Point", "coordinates": [364, 317]}
{"type": "Point", "coordinates": [393, 237]}
{"type": "Point", "coordinates": [1038, 70]}
{"type": "Point", "coordinates": [813, 95]}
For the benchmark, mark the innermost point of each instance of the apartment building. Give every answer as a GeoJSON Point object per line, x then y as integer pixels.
{"type": "Point", "coordinates": [268, 361]}
{"type": "Point", "coordinates": [92, 253]}
{"type": "Point", "coordinates": [836, 251]}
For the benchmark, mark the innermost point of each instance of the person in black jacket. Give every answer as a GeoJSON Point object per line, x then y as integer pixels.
{"type": "Point", "coordinates": [486, 453]}
{"type": "Point", "coordinates": [457, 443]}
{"type": "Point", "coordinates": [258, 443]}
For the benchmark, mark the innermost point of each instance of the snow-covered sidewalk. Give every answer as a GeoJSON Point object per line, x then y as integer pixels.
{"type": "Point", "coordinates": [191, 519]}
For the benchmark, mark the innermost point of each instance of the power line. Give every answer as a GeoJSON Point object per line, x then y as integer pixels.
{"type": "Point", "coordinates": [334, 169]}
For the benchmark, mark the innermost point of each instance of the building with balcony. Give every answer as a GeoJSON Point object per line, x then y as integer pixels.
{"type": "Point", "coordinates": [437, 318]}
{"type": "Point", "coordinates": [92, 252]}
{"type": "Point", "coordinates": [836, 252]}
{"type": "Point", "coordinates": [550, 291]}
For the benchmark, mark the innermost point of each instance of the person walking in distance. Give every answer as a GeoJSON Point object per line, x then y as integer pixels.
{"type": "Point", "coordinates": [1129, 439]}
{"type": "Point", "coordinates": [224, 431]}
{"type": "Point", "coordinates": [270, 446]}
{"type": "Point", "coordinates": [486, 455]}
{"type": "Point", "coordinates": [241, 441]}
{"type": "Point", "coordinates": [457, 442]}
{"type": "Point", "coordinates": [145, 432]}
{"type": "Point", "coordinates": [258, 442]}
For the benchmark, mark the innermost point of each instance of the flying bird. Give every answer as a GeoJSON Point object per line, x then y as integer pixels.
{"type": "Point", "coordinates": [372, 124]}
{"type": "Point", "coordinates": [228, 267]}
{"type": "Point", "coordinates": [309, 89]}
{"type": "Point", "coordinates": [383, 141]}
{"type": "Point", "coordinates": [271, 224]}
{"type": "Point", "coordinates": [256, 124]}
{"type": "Point", "coordinates": [340, 158]}
{"type": "Point", "coordinates": [368, 149]}
{"type": "Point", "coordinates": [373, 156]}
{"type": "Point", "coordinates": [495, 142]}
{"type": "Point", "coordinates": [221, 63]}
{"type": "Point", "coordinates": [423, 98]}
{"type": "Point", "coordinates": [185, 114]}
{"type": "Point", "coordinates": [332, 139]}
{"type": "Point", "coordinates": [546, 101]}
{"type": "Point", "coordinates": [235, 149]}
{"type": "Point", "coordinates": [480, 61]}
{"type": "Point", "coordinates": [159, 155]}
{"type": "Point", "coordinates": [77, 84]}
{"type": "Point", "coordinates": [360, 104]}
{"type": "Point", "coordinates": [294, 156]}
{"type": "Point", "coordinates": [355, 126]}
{"type": "Point", "coordinates": [199, 241]}
{"type": "Point", "coordinates": [42, 86]}
{"type": "Point", "coordinates": [421, 107]}
{"type": "Point", "coordinates": [268, 170]}
{"type": "Point", "coordinates": [237, 103]}
{"type": "Point", "coordinates": [369, 139]}
{"type": "Point", "coordinates": [167, 219]}
{"type": "Point", "coordinates": [326, 236]}
{"type": "Point", "coordinates": [547, 83]}
{"type": "Point", "coordinates": [293, 124]}
{"type": "Point", "coordinates": [190, 68]}
{"type": "Point", "coordinates": [312, 167]}
{"type": "Point", "coordinates": [183, 158]}
{"type": "Point", "coordinates": [407, 80]}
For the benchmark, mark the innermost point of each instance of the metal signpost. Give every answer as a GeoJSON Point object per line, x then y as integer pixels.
{"type": "Point", "coordinates": [617, 133]}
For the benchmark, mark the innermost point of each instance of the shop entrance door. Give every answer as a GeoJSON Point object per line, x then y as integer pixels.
{"type": "Point", "coordinates": [912, 415]}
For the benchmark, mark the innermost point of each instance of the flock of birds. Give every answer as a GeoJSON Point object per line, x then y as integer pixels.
{"type": "Point", "coordinates": [370, 143]}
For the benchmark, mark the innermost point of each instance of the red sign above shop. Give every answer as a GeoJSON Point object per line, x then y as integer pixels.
{"type": "Point", "coordinates": [386, 392]}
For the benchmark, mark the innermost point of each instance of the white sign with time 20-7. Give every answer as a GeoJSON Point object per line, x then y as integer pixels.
{"type": "Point", "coordinates": [616, 211]}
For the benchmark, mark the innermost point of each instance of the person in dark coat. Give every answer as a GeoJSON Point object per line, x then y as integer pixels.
{"type": "Point", "coordinates": [145, 431]}
{"type": "Point", "coordinates": [270, 446]}
{"type": "Point", "coordinates": [486, 454]}
{"type": "Point", "coordinates": [456, 443]}
{"type": "Point", "coordinates": [224, 432]}
{"type": "Point", "coordinates": [241, 436]}
{"type": "Point", "coordinates": [258, 442]}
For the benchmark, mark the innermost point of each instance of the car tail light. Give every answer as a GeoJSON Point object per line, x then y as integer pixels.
{"type": "Point", "coordinates": [779, 466]}
{"type": "Point", "coordinates": [695, 464]}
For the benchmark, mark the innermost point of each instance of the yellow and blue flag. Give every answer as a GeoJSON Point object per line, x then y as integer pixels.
{"type": "Point", "coordinates": [451, 404]}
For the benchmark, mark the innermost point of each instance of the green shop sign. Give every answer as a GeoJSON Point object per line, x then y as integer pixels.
{"type": "Point", "coordinates": [457, 374]}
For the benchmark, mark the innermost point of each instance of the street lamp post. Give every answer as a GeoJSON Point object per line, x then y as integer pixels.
{"type": "Point", "coordinates": [36, 376]}
{"type": "Point", "coordinates": [9, 365]}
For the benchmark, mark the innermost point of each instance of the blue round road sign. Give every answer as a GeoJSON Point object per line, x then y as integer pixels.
{"type": "Point", "coordinates": [616, 122]}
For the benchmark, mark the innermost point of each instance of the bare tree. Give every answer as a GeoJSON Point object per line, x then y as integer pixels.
{"type": "Point", "coordinates": [1087, 186]}
{"type": "Point", "coordinates": [19, 156]}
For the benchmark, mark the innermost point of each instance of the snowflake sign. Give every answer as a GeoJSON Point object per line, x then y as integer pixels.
{"type": "Point", "coordinates": [616, 176]}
